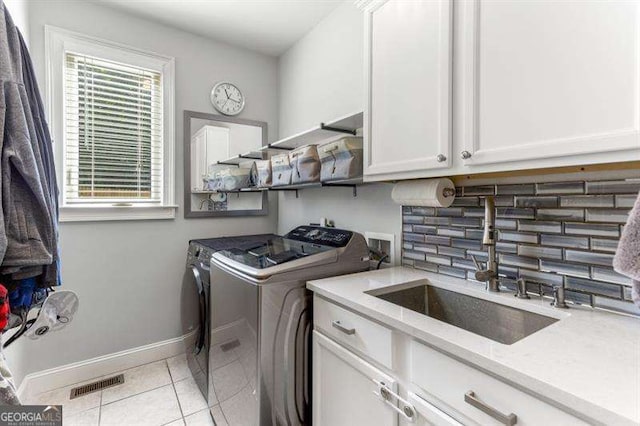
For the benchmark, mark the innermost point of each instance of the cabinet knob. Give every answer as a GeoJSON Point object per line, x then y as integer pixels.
{"type": "Point", "coordinates": [441, 158]}
{"type": "Point", "coordinates": [465, 155]}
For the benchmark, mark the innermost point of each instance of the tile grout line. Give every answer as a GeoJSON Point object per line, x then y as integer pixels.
{"type": "Point", "coordinates": [100, 408]}
{"type": "Point", "coordinates": [173, 385]}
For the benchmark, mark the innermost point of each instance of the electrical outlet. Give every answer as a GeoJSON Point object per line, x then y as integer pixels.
{"type": "Point", "coordinates": [384, 246]}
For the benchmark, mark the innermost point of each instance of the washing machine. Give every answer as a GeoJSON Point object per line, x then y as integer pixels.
{"type": "Point", "coordinates": [260, 322]}
{"type": "Point", "coordinates": [195, 299]}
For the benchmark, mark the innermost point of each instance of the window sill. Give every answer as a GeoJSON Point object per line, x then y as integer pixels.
{"type": "Point", "coordinates": [111, 213]}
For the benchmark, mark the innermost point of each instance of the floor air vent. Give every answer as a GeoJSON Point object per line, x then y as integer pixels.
{"type": "Point", "coordinates": [97, 386]}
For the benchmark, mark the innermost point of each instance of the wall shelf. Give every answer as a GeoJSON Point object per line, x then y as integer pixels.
{"type": "Point", "coordinates": [349, 183]}
{"type": "Point", "coordinates": [348, 124]}
{"type": "Point", "coordinates": [241, 158]}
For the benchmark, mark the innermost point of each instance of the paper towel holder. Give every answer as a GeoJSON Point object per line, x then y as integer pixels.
{"type": "Point", "coordinates": [448, 192]}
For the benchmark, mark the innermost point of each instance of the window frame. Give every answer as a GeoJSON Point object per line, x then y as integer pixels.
{"type": "Point", "coordinates": [57, 42]}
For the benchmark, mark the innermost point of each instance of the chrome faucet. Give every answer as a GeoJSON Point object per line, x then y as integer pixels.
{"type": "Point", "coordinates": [489, 274]}
{"type": "Point", "coordinates": [558, 297]}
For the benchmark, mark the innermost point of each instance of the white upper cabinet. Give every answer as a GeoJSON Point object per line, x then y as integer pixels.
{"type": "Point", "coordinates": [407, 119]}
{"type": "Point", "coordinates": [545, 80]}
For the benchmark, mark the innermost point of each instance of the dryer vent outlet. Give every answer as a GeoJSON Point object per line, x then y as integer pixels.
{"type": "Point", "coordinates": [382, 245]}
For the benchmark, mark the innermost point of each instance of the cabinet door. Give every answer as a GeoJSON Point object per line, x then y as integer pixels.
{"type": "Point", "coordinates": [549, 79]}
{"type": "Point", "coordinates": [345, 387]}
{"type": "Point", "coordinates": [430, 415]}
{"type": "Point", "coordinates": [407, 116]}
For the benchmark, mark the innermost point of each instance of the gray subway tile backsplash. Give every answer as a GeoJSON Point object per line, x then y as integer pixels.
{"type": "Point", "coordinates": [526, 189]}
{"type": "Point", "coordinates": [625, 201]}
{"type": "Point", "coordinates": [513, 260]}
{"type": "Point", "coordinates": [548, 233]}
{"type": "Point", "coordinates": [408, 236]}
{"type": "Point", "coordinates": [589, 257]}
{"type": "Point", "coordinates": [609, 275]}
{"type": "Point", "coordinates": [587, 201]}
{"type": "Point", "coordinates": [424, 229]}
{"type": "Point", "coordinates": [594, 287]}
{"type": "Point", "coordinates": [604, 244]}
{"type": "Point", "coordinates": [514, 213]}
{"type": "Point", "coordinates": [564, 268]}
{"type": "Point", "coordinates": [466, 202]}
{"type": "Point", "coordinates": [564, 241]}
{"type": "Point", "coordinates": [479, 190]}
{"type": "Point", "coordinates": [540, 226]}
{"type": "Point", "coordinates": [540, 251]}
{"type": "Point", "coordinates": [538, 202]}
{"type": "Point", "coordinates": [451, 232]}
{"type": "Point", "coordinates": [607, 215]}
{"type": "Point", "coordinates": [628, 186]}
{"type": "Point", "coordinates": [560, 188]}
{"type": "Point", "coordinates": [560, 214]}
{"type": "Point", "coordinates": [520, 237]}
{"type": "Point", "coordinates": [604, 230]}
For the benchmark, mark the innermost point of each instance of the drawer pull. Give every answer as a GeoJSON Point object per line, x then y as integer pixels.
{"type": "Point", "coordinates": [408, 411]}
{"type": "Point", "coordinates": [345, 330]}
{"type": "Point", "coordinates": [505, 419]}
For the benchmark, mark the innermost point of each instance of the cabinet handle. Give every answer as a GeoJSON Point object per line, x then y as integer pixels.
{"type": "Point", "coordinates": [465, 155]}
{"type": "Point", "coordinates": [345, 330]}
{"type": "Point", "coordinates": [441, 158]}
{"type": "Point", "coordinates": [408, 411]}
{"type": "Point", "coordinates": [506, 419]}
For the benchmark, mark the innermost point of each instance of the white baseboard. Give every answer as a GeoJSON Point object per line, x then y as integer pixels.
{"type": "Point", "coordinates": [46, 380]}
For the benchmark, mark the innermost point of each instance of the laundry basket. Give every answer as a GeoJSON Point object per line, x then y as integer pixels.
{"type": "Point", "coordinates": [231, 179]}
{"type": "Point", "coordinates": [305, 164]}
{"type": "Point", "coordinates": [261, 174]}
{"type": "Point", "coordinates": [280, 170]}
{"type": "Point", "coordinates": [341, 159]}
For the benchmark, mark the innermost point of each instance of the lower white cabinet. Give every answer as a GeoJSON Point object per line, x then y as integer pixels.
{"type": "Point", "coordinates": [478, 397]}
{"type": "Point", "coordinates": [427, 414]}
{"type": "Point", "coordinates": [346, 388]}
{"type": "Point", "coordinates": [419, 385]}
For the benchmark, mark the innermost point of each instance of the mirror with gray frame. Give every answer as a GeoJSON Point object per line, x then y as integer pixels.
{"type": "Point", "coordinates": [218, 154]}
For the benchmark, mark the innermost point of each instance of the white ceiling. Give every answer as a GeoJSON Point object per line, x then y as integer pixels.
{"type": "Point", "coordinates": [267, 26]}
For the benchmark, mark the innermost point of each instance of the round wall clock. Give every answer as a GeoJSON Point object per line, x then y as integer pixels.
{"type": "Point", "coordinates": [227, 98]}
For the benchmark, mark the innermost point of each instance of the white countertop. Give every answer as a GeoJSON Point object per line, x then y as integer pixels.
{"type": "Point", "coordinates": [589, 361]}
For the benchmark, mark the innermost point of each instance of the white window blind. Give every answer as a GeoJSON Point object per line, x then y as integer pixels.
{"type": "Point", "coordinates": [113, 132]}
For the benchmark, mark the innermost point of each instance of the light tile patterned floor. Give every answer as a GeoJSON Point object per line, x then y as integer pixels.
{"type": "Point", "coordinates": [155, 394]}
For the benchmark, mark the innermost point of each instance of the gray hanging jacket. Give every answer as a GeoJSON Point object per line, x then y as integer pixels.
{"type": "Point", "coordinates": [28, 232]}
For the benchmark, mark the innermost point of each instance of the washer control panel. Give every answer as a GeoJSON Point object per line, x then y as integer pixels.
{"type": "Point", "coordinates": [322, 236]}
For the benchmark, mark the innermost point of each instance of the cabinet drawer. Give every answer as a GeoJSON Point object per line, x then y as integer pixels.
{"type": "Point", "coordinates": [472, 393]}
{"type": "Point", "coordinates": [353, 330]}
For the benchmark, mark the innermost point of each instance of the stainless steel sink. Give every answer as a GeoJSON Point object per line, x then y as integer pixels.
{"type": "Point", "coordinates": [501, 323]}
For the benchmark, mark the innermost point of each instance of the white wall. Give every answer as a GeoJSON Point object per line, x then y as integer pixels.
{"type": "Point", "coordinates": [128, 274]}
{"type": "Point", "coordinates": [19, 10]}
{"type": "Point", "coordinates": [321, 78]}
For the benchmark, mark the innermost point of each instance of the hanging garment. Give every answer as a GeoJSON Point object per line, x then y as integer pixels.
{"type": "Point", "coordinates": [56, 313]}
{"type": "Point", "coordinates": [8, 393]}
{"type": "Point", "coordinates": [51, 276]}
{"type": "Point", "coordinates": [28, 235]}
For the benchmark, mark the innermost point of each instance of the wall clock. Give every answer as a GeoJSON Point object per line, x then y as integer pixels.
{"type": "Point", "coordinates": [227, 98]}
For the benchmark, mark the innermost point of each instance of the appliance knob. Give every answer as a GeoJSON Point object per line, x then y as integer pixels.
{"type": "Point", "coordinates": [441, 158]}
{"type": "Point", "coordinates": [465, 155]}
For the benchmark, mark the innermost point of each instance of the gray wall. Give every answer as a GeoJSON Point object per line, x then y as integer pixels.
{"type": "Point", "coordinates": [321, 78]}
{"type": "Point", "coordinates": [128, 274]}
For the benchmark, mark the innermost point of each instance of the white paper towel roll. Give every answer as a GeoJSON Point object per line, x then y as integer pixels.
{"type": "Point", "coordinates": [424, 192]}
